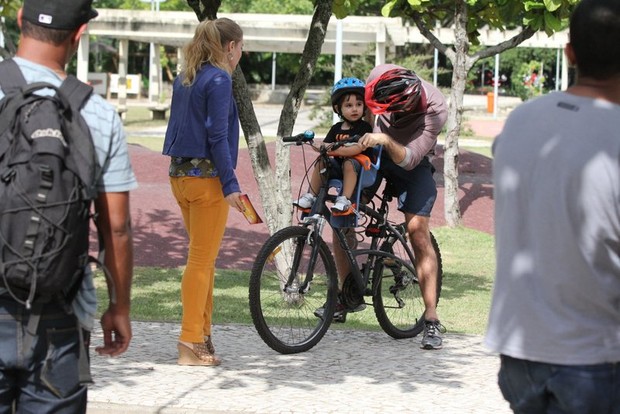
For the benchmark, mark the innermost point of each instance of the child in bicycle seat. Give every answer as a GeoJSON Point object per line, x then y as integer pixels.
{"type": "Point", "coordinates": [348, 102]}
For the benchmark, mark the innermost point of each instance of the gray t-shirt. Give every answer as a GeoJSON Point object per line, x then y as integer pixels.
{"type": "Point", "coordinates": [105, 126]}
{"type": "Point", "coordinates": [557, 215]}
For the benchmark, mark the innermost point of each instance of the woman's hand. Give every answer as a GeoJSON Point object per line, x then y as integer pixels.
{"type": "Point", "coordinates": [234, 200]}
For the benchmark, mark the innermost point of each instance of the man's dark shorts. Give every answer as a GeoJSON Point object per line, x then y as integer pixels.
{"type": "Point", "coordinates": [417, 190]}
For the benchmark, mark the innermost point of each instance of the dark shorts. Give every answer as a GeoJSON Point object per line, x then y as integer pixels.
{"type": "Point", "coordinates": [416, 189]}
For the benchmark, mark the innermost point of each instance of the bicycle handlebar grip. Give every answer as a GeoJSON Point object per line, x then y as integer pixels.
{"type": "Point", "coordinates": [299, 138]}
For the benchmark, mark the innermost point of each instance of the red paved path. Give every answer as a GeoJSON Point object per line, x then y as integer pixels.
{"type": "Point", "coordinates": [160, 238]}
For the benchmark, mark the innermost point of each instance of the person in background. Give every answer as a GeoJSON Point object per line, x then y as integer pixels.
{"type": "Point", "coordinates": [555, 312]}
{"type": "Point", "coordinates": [409, 114]}
{"type": "Point", "coordinates": [48, 380]}
{"type": "Point", "coordinates": [202, 140]}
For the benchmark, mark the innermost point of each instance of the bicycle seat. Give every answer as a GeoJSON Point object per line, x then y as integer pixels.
{"type": "Point", "coordinates": [365, 179]}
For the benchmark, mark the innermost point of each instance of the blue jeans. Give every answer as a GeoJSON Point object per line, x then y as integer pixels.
{"type": "Point", "coordinates": [536, 387]}
{"type": "Point", "coordinates": [46, 377]}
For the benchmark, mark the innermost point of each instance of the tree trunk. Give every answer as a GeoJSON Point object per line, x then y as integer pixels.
{"type": "Point", "coordinates": [258, 151]}
{"type": "Point", "coordinates": [461, 63]}
{"type": "Point", "coordinates": [282, 211]}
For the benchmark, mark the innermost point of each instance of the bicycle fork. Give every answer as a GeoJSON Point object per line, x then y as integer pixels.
{"type": "Point", "coordinates": [315, 224]}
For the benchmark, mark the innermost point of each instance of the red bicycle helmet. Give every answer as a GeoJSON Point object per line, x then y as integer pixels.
{"type": "Point", "coordinates": [396, 90]}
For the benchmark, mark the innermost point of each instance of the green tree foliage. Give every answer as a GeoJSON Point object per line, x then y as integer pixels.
{"type": "Point", "coordinates": [267, 6]}
{"type": "Point", "coordinates": [8, 26]}
{"type": "Point", "coordinates": [9, 7]}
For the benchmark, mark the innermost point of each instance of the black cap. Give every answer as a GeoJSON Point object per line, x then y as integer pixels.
{"type": "Point", "coordinates": [58, 14]}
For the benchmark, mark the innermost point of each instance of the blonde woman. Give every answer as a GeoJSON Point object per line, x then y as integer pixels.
{"type": "Point", "coordinates": [202, 141]}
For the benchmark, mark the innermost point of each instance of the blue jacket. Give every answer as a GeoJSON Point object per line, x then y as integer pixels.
{"type": "Point", "coordinates": [204, 123]}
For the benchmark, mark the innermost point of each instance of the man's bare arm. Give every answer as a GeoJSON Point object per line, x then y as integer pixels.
{"type": "Point", "coordinates": [114, 223]}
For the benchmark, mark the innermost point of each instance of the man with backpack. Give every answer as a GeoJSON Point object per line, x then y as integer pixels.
{"type": "Point", "coordinates": [44, 331]}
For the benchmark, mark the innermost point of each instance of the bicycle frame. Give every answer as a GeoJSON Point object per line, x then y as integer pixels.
{"type": "Point", "coordinates": [320, 214]}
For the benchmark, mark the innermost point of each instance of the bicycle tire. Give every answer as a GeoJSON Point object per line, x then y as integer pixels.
{"type": "Point", "coordinates": [397, 299]}
{"type": "Point", "coordinates": [286, 322]}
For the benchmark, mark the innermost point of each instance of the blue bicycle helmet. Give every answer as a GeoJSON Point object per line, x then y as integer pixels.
{"type": "Point", "coordinates": [345, 86]}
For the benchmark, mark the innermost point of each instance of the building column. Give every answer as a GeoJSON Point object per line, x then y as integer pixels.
{"type": "Point", "coordinates": [564, 72]}
{"type": "Point", "coordinates": [380, 45]}
{"type": "Point", "coordinates": [179, 60]}
{"type": "Point", "coordinates": [123, 58]}
{"type": "Point", "coordinates": [82, 57]}
{"type": "Point", "coordinates": [154, 73]}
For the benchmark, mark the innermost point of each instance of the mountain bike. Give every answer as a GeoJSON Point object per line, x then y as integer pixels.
{"type": "Point", "coordinates": [295, 273]}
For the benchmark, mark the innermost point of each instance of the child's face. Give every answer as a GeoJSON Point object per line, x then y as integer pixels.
{"type": "Point", "coordinates": [352, 107]}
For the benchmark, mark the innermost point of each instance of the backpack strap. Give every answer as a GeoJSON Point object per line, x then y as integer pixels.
{"type": "Point", "coordinates": [11, 76]}
{"type": "Point", "coordinates": [11, 79]}
{"type": "Point", "coordinates": [77, 93]}
{"type": "Point", "coordinates": [87, 166]}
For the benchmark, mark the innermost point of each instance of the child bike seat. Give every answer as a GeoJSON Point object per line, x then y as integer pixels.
{"type": "Point", "coordinates": [366, 178]}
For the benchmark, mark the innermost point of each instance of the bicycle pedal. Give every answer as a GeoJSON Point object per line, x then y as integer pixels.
{"type": "Point", "coordinates": [340, 318]}
{"type": "Point", "coordinates": [351, 210]}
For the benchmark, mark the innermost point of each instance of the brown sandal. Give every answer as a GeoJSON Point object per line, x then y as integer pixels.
{"type": "Point", "coordinates": [199, 354]}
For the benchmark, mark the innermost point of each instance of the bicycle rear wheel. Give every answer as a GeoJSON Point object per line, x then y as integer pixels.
{"type": "Point", "coordinates": [285, 317]}
{"type": "Point", "coordinates": [397, 299]}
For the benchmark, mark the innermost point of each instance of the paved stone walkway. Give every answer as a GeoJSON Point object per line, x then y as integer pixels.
{"type": "Point", "coordinates": [347, 372]}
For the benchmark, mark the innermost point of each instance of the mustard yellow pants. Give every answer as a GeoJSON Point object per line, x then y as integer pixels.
{"type": "Point", "coordinates": [205, 212]}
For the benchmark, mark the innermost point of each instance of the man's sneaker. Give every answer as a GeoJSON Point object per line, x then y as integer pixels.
{"type": "Point", "coordinates": [431, 338]}
{"type": "Point", "coordinates": [342, 205]}
{"type": "Point", "coordinates": [305, 201]}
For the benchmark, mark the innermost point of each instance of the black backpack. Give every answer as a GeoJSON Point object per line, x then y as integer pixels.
{"type": "Point", "coordinates": [48, 176]}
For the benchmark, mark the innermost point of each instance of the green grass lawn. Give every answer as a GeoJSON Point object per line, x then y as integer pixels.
{"type": "Point", "coordinates": [468, 265]}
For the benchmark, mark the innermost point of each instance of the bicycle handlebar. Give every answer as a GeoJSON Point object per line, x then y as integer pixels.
{"type": "Point", "coordinates": [299, 139]}
{"type": "Point", "coordinates": [308, 137]}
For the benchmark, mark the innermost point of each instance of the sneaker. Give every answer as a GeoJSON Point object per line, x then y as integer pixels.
{"type": "Point", "coordinates": [431, 338]}
{"type": "Point", "coordinates": [305, 201]}
{"type": "Point", "coordinates": [342, 205]}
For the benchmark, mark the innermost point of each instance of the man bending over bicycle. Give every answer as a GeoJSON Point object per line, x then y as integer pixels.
{"type": "Point", "coordinates": [409, 114]}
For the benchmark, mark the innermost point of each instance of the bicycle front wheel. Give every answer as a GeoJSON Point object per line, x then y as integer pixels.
{"type": "Point", "coordinates": [397, 299]}
{"type": "Point", "coordinates": [292, 296]}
